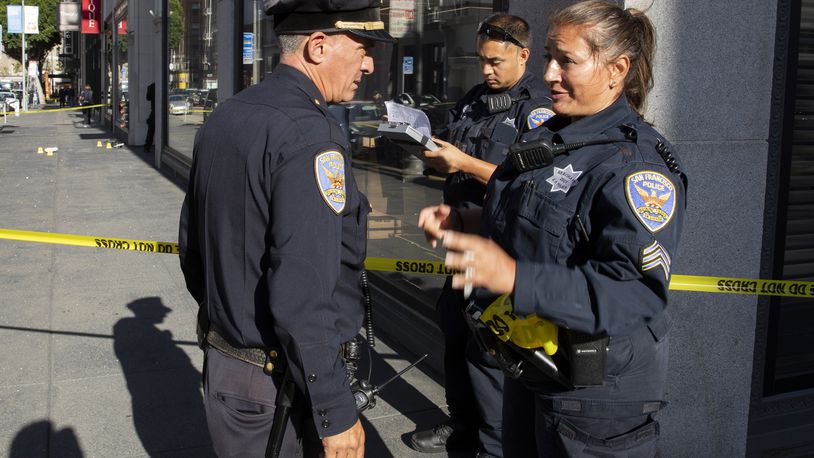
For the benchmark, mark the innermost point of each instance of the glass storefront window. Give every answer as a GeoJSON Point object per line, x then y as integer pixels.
{"type": "Point", "coordinates": [107, 96]}
{"type": "Point", "coordinates": [123, 97]}
{"type": "Point", "coordinates": [433, 64]}
{"type": "Point", "coordinates": [193, 84]}
{"type": "Point", "coordinates": [260, 50]}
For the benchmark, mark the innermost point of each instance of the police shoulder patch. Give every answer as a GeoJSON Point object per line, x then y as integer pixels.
{"type": "Point", "coordinates": [652, 198]}
{"type": "Point", "coordinates": [329, 169]}
{"type": "Point", "coordinates": [538, 117]}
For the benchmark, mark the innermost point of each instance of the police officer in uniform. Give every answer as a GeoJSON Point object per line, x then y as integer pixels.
{"type": "Point", "coordinates": [580, 228]}
{"type": "Point", "coordinates": [482, 125]}
{"type": "Point", "coordinates": [273, 239]}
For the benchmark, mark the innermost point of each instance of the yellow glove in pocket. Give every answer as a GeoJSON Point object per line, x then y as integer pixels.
{"type": "Point", "coordinates": [529, 332]}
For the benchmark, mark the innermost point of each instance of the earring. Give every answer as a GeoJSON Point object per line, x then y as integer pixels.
{"type": "Point", "coordinates": [612, 84]}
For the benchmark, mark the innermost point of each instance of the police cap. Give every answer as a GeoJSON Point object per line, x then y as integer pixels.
{"type": "Point", "coordinates": [359, 17]}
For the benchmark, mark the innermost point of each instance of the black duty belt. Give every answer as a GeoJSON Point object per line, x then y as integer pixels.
{"type": "Point", "coordinates": [269, 359]}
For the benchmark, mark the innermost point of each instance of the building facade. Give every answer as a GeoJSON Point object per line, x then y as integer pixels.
{"type": "Point", "coordinates": [731, 92]}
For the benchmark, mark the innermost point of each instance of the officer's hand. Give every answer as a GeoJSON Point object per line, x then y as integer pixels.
{"type": "Point", "coordinates": [435, 221]}
{"type": "Point", "coordinates": [347, 444]}
{"type": "Point", "coordinates": [448, 159]}
{"type": "Point", "coordinates": [481, 261]}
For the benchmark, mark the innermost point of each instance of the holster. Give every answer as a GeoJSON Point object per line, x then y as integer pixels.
{"type": "Point", "coordinates": [202, 325]}
{"type": "Point", "coordinates": [533, 366]}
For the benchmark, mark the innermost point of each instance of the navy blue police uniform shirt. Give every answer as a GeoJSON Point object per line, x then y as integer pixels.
{"type": "Point", "coordinates": [594, 233]}
{"type": "Point", "coordinates": [273, 235]}
{"type": "Point", "coordinates": [486, 136]}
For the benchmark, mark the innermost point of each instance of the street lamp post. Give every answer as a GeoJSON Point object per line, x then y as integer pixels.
{"type": "Point", "coordinates": [25, 92]}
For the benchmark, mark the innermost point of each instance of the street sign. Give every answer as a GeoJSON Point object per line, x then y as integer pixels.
{"type": "Point", "coordinates": [407, 65]}
{"type": "Point", "coordinates": [248, 47]}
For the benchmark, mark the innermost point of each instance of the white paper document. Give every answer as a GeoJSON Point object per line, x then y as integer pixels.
{"type": "Point", "coordinates": [397, 112]}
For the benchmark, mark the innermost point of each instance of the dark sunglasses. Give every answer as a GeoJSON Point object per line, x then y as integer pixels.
{"type": "Point", "coordinates": [496, 33]}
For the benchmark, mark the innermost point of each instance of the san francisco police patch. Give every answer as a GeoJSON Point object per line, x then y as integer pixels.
{"type": "Point", "coordinates": [538, 116]}
{"type": "Point", "coordinates": [652, 198]}
{"type": "Point", "coordinates": [329, 168]}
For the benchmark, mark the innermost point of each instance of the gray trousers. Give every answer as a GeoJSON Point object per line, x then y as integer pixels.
{"type": "Point", "coordinates": [239, 400]}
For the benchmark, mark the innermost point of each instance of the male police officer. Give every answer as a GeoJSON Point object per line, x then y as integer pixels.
{"type": "Point", "coordinates": [273, 238]}
{"type": "Point", "coordinates": [483, 124]}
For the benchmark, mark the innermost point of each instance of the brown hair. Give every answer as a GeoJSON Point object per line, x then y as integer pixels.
{"type": "Point", "coordinates": [611, 31]}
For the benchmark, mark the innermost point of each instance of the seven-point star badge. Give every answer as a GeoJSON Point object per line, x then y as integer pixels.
{"type": "Point", "coordinates": [563, 179]}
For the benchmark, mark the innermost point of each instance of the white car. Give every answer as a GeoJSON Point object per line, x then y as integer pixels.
{"type": "Point", "coordinates": [178, 104]}
{"type": "Point", "coordinates": [9, 98]}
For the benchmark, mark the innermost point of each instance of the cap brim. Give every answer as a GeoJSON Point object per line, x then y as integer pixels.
{"type": "Point", "coordinates": [376, 35]}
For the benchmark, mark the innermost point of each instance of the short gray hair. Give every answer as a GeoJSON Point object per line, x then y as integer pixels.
{"type": "Point", "coordinates": [290, 43]}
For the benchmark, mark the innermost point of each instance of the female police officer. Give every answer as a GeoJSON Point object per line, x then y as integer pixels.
{"type": "Point", "coordinates": [579, 227]}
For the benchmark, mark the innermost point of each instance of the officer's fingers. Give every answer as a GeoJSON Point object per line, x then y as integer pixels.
{"type": "Point", "coordinates": [431, 220]}
{"type": "Point", "coordinates": [430, 154]}
{"type": "Point", "coordinates": [440, 142]}
{"type": "Point", "coordinates": [459, 241]}
{"type": "Point", "coordinates": [425, 215]}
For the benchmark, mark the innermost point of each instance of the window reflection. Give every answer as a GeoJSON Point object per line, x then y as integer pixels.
{"type": "Point", "coordinates": [192, 72]}
{"type": "Point", "coordinates": [433, 64]}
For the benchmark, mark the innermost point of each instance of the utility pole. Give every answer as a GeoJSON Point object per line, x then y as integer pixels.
{"type": "Point", "coordinates": [24, 60]}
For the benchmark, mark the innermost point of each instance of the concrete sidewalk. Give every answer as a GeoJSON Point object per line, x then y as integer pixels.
{"type": "Point", "coordinates": [99, 356]}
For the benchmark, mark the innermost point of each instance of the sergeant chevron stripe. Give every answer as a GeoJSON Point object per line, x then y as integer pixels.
{"type": "Point", "coordinates": [655, 256]}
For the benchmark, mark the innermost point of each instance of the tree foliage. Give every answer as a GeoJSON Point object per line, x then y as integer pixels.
{"type": "Point", "coordinates": [39, 44]}
{"type": "Point", "coordinates": [175, 32]}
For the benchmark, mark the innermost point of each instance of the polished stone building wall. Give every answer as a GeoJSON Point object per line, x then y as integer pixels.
{"type": "Point", "coordinates": [713, 81]}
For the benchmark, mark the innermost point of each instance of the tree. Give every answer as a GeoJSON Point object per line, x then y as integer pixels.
{"type": "Point", "coordinates": [37, 45]}
{"type": "Point", "coordinates": [175, 31]}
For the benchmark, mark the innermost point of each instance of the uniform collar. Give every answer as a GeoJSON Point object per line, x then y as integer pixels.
{"type": "Point", "coordinates": [587, 128]}
{"type": "Point", "coordinates": [519, 88]}
{"type": "Point", "coordinates": [301, 81]}
{"type": "Point", "coordinates": [522, 85]}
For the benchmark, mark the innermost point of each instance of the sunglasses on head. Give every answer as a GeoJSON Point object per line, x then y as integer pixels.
{"type": "Point", "coordinates": [496, 33]}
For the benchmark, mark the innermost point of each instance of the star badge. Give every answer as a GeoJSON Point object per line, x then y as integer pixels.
{"type": "Point", "coordinates": [563, 179]}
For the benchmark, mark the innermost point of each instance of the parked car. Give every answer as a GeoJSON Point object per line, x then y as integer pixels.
{"type": "Point", "coordinates": [8, 101]}
{"type": "Point", "coordinates": [178, 104]}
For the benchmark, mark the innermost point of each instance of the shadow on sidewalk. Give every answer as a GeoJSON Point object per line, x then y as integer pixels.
{"type": "Point", "coordinates": [165, 387]}
{"type": "Point", "coordinates": [40, 439]}
{"type": "Point", "coordinates": [405, 398]}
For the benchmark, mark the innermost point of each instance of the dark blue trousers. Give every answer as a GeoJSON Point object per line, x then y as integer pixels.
{"type": "Point", "coordinates": [239, 400]}
{"type": "Point", "coordinates": [614, 420]}
{"type": "Point", "coordinates": [473, 381]}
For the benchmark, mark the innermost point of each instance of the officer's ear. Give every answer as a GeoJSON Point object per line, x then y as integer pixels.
{"type": "Point", "coordinates": [523, 55]}
{"type": "Point", "coordinates": [316, 46]}
{"type": "Point", "coordinates": [618, 69]}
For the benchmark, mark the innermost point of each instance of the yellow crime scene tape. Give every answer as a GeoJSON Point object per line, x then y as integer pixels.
{"type": "Point", "coordinates": [695, 283]}
{"type": "Point", "coordinates": [113, 243]}
{"type": "Point", "coordinates": [54, 110]}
